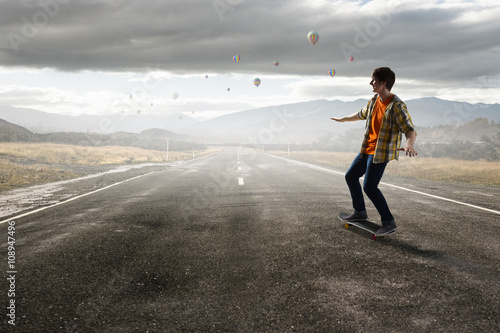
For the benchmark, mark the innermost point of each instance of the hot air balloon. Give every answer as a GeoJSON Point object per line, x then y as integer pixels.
{"type": "Point", "coordinates": [313, 37]}
{"type": "Point", "coordinates": [228, 89]}
{"type": "Point", "coordinates": [332, 72]}
{"type": "Point", "coordinates": [276, 63]}
{"type": "Point", "coordinates": [236, 58]}
{"type": "Point", "coordinates": [256, 81]}
{"type": "Point", "coordinates": [138, 111]}
{"type": "Point", "coordinates": [175, 95]}
{"type": "Point", "coordinates": [180, 116]}
{"type": "Point", "coordinates": [351, 58]}
{"type": "Point", "coordinates": [206, 76]}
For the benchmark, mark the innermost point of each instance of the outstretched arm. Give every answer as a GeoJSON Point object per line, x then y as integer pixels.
{"type": "Point", "coordinates": [411, 137]}
{"type": "Point", "coordinates": [352, 117]}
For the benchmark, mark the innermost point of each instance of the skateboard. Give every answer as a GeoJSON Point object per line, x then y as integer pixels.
{"type": "Point", "coordinates": [362, 224]}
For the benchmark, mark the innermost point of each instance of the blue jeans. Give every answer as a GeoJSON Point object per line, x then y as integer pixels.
{"type": "Point", "coordinates": [363, 165]}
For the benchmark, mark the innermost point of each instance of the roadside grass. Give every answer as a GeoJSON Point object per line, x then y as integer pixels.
{"type": "Point", "coordinates": [52, 153]}
{"type": "Point", "coordinates": [426, 168]}
{"type": "Point", "coordinates": [14, 175]}
{"type": "Point", "coordinates": [23, 164]}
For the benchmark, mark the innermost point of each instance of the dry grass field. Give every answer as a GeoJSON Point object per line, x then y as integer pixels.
{"type": "Point", "coordinates": [434, 169]}
{"type": "Point", "coordinates": [24, 164]}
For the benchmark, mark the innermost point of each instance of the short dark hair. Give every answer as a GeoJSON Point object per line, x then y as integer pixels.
{"type": "Point", "coordinates": [385, 74]}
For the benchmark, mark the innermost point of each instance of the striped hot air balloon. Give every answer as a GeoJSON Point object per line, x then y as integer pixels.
{"type": "Point", "coordinates": [313, 37]}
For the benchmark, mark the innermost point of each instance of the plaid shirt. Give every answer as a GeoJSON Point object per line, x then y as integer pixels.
{"type": "Point", "coordinates": [396, 120]}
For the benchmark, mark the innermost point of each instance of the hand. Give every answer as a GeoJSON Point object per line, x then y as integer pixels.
{"type": "Point", "coordinates": [409, 151]}
{"type": "Point", "coordinates": [341, 120]}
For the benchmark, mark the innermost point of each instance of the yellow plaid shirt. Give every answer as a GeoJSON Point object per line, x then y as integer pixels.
{"type": "Point", "coordinates": [396, 121]}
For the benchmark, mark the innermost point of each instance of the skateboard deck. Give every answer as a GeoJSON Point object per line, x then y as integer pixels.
{"type": "Point", "coordinates": [362, 224]}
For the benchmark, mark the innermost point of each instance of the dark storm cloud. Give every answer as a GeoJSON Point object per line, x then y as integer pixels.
{"type": "Point", "coordinates": [187, 36]}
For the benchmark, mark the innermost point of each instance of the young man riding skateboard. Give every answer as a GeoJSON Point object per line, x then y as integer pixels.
{"type": "Point", "coordinates": [386, 119]}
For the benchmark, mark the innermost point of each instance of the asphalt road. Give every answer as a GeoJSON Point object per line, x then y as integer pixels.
{"type": "Point", "coordinates": [241, 241]}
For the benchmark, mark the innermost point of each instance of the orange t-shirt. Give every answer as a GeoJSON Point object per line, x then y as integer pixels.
{"type": "Point", "coordinates": [376, 122]}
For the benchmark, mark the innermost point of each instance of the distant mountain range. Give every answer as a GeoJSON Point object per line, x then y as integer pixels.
{"type": "Point", "coordinates": [44, 122]}
{"type": "Point", "coordinates": [292, 123]}
{"type": "Point", "coordinates": [306, 122]}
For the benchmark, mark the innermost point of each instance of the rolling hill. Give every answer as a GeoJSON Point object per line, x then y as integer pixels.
{"type": "Point", "coordinates": [14, 133]}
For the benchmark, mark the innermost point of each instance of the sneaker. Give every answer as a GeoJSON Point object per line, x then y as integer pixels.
{"type": "Point", "coordinates": [355, 216]}
{"type": "Point", "coordinates": [386, 229]}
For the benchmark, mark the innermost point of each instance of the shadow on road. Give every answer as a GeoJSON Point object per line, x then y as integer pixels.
{"type": "Point", "coordinates": [442, 258]}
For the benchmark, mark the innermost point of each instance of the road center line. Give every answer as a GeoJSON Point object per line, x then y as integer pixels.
{"type": "Point", "coordinates": [240, 181]}
{"type": "Point", "coordinates": [311, 166]}
{"type": "Point", "coordinates": [74, 198]}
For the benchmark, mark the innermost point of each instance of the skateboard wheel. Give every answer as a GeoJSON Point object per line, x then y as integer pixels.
{"type": "Point", "coordinates": [374, 237]}
{"type": "Point", "coordinates": [346, 225]}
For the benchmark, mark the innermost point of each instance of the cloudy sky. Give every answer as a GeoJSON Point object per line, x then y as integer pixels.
{"type": "Point", "coordinates": [120, 56]}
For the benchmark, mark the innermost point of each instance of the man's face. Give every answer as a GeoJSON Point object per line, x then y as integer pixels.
{"type": "Point", "coordinates": [377, 86]}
